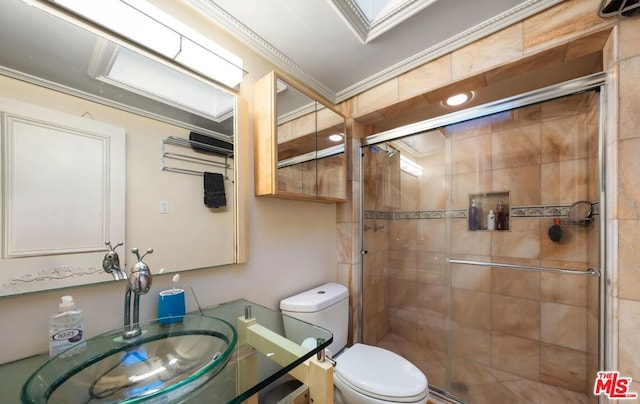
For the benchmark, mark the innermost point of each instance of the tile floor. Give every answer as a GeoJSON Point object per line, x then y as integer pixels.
{"type": "Point", "coordinates": [476, 383]}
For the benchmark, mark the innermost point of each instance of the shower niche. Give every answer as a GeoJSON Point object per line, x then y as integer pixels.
{"type": "Point", "coordinates": [491, 211]}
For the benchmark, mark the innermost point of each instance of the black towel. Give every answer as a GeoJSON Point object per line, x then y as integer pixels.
{"type": "Point", "coordinates": [226, 147]}
{"type": "Point", "coordinates": [214, 196]}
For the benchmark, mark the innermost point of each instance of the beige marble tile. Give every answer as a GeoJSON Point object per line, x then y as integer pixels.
{"type": "Point", "coordinates": [471, 277]}
{"type": "Point", "coordinates": [471, 308]}
{"type": "Point", "coordinates": [432, 193]}
{"type": "Point", "coordinates": [490, 393]}
{"type": "Point", "coordinates": [402, 293]}
{"type": "Point", "coordinates": [516, 118]}
{"type": "Point", "coordinates": [465, 242]}
{"type": "Point", "coordinates": [629, 330]}
{"type": "Point", "coordinates": [380, 96]}
{"type": "Point", "coordinates": [628, 179]}
{"type": "Point", "coordinates": [431, 268]}
{"type": "Point", "coordinates": [432, 298]}
{"type": "Point", "coordinates": [516, 147]}
{"type": "Point", "coordinates": [404, 327]}
{"type": "Point", "coordinates": [628, 31]}
{"type": "Point", "coordinates": [515, 355]}
{"type": "Point", "coordinates": [539, 393]}
{"type": "Point", "coordinates": [515, 316]}
{"type": "Point", "coordinates": [564, 138]}
{"type": "Point", "coordinates": [474, 127]}
{"type": "Point", "coordinates": [470, 373]}
{"type": "Point", "coordinates": [521, 241]}
{"type": "Point", "coordinates": [515, 283]}
{"type": "Point", "coordinates": [409, 192]}
{"type": "Point", "coordinates": [523, 184]}
{"type": "Point", "coordinates": [403, 234]}
{"type": "Point", "coordinates": [471, 343]}
{"type": "Point", "coordinates": [629, 259]}
{"type": "Point", "coordinates": [432, 332]}
{"type": "Point", "coordinates": [565, 289]}
{"type": "Point", "coordinates": [629, 98]}
{"type": "Point", "coordinates": [431, 236]}
{"type": "Point", "coordinates": [481, 55]}
{"type": "Point", "coordinates": [462, 185]}
{"type": "Point", "coordinates": [564, 325]}
{"type": "Point", "coordinates": [560, 22]}
{"type": "Point", "coordinates": [564, 182]}
{"type": "Point", "coordinates": [564, 367]}
{"type": "Point", "coordinates": [427, 77]}
{"type": "Point", "coordinates": [471, 154]}
{"type": "Point", "coordinates": [564, 108]}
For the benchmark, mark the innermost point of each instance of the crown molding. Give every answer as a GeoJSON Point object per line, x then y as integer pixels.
{"type": "Point", "coordinates": [471, 35]}
{"type": "Point", "coordinates": [259, 44]}
{"type": "Point", "coordinates": [273, 55]}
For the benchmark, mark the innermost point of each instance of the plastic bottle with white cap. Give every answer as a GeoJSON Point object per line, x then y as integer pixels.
{"type": "Point", "coordinates": [66, 329]}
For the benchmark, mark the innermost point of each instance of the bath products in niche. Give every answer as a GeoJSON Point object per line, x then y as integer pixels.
{"type": "Point", "coordinates": [66, 329]}
{"type": "Point", "coordinates": [473, 216]}
{"type": "Point", "coordinates": [501, 219]}
{"type": "Point", "coordinates": [491, 220]}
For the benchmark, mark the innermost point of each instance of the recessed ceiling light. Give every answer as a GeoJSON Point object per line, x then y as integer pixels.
{"type": "Point", "coordinates": [336, 137]}
{"type": "Point", "coordinates": [458, 99]}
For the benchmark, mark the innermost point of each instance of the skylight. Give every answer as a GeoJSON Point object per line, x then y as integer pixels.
{"type": "Point", "coordinates": [147, 25]}
{"type": "Point", "coordinates": [369, 19]}
{"type": "Point", "coordinates": [134, 72]}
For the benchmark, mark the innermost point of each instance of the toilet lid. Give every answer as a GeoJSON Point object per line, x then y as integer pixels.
{"type": "Point", "coordinates": [379, 373]}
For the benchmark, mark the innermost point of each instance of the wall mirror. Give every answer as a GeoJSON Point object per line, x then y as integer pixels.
{"type": "Point", "coordinates": [306, 136]}
{"type": "Point", "coordinates": [151, 101]}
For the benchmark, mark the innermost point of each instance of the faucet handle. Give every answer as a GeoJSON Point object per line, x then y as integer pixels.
{"type": "Point", "coordinates": [111, 248]}
{"type": "Point", "coordinates": [140, 279]}
{"type": "Point", "coordinates": [135, 251]}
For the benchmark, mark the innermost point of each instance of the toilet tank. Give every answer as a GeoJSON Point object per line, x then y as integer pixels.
{"type": "Point", "coordinates": [326, 306]}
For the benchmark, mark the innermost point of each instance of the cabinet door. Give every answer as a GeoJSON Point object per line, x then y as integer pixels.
{"type": "Point", "coordinates": [296, 141]}
{"type": "Point", "coordinates": [299, 143]}
{"type": "Point", "coordinates": [331, 161]}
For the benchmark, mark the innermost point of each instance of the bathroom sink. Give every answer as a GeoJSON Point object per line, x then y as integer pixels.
{"type": "Point", "coordinates": [161, 365]}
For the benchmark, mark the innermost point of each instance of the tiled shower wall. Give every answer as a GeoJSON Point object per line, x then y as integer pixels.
{"type": "Point", "coordinates": [570, 22]}
{"type": "Point", "coordinates": [539, 326]}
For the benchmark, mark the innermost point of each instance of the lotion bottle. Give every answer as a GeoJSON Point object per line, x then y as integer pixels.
{"type": "Point", "coordinates": [66, 329]}
{"type": "Point", "coordinates": [491, 220]}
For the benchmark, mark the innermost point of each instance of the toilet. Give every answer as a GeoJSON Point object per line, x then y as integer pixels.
{"type": "Point", "coordinates": [363, 373]}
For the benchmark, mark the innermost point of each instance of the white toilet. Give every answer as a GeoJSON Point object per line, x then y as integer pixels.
{"type": "Point", "coordinates": [363, 373]}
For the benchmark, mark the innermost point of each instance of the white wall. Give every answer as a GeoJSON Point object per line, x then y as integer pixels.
{"type": "Point", "coordinates": [292, 245]}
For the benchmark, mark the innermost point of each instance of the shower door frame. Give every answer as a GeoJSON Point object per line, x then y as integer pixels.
{"type": "Point", "coordinates": [596, 81]}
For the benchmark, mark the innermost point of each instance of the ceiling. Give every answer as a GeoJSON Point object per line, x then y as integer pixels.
{"type": "Point", "coordinates": [340, 48]}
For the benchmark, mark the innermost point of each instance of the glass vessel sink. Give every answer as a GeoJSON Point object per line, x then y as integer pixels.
{"type": "Point", "coordinates": [161, 365]}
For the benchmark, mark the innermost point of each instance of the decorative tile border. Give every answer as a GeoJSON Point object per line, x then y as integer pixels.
{"type": "Point", "coordinates": [514, 212]}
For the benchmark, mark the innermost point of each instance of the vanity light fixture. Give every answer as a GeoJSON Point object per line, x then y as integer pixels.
{"type": "Point", "coordinates": [458, 99]}
{"type": "Point", "coordinates": [146, 25]}
{"type": "Point", "coordinates": [336, 137]}
{"type": "Point", "coordinates": [409, 166]}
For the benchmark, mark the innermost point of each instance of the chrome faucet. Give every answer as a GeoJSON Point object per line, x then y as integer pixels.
{"type": "Point", "coordinates": [111, 262]}
{"type": "Point", "coordinates": [139, 284]}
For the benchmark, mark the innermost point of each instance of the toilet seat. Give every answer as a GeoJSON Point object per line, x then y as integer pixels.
{"type": "Point", "coordinates": [381, 374]}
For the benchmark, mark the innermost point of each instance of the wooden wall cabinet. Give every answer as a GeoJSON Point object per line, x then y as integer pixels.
{"type": "Point", "coordinates": [299, 143]}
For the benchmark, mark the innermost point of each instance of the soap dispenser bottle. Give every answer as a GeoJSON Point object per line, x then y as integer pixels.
{"type": "Point", "coordinates": [473, 216]}
{"type": "Point", "coordinates": [66, 329]}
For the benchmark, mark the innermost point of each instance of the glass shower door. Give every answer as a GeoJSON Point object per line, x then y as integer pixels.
{"type": "Point", "coordinates": [464, 299]}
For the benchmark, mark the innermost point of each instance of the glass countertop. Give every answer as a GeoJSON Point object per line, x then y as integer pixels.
{"type": "Point", "coordinates": [247, 372]}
